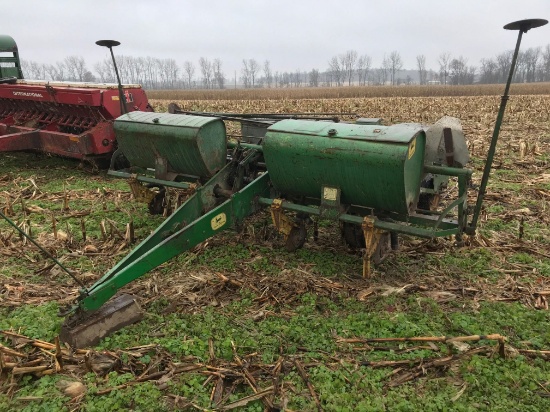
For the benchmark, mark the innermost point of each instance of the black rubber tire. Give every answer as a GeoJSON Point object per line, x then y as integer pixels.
{"type": "Point", "coordinates": [296, 238]}
{"type": "Point", "coordinates": [118, 161]}
{"type": "Point", "coordinates": [353, 235]}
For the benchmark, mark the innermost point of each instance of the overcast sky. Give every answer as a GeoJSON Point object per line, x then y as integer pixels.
{"type": "Point", "coordinates": [292, 34]}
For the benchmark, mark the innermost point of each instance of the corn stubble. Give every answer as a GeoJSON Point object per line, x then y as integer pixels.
{"type": "Point", "coordinates": [526, 127]}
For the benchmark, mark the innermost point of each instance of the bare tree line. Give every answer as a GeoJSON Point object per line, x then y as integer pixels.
{"type": "Point", "coordinates": [533, 65]}
{"type": "Point", "coordinates": [348, 68]}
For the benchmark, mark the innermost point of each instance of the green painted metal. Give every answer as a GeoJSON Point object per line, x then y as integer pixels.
{"type": "Point", "coordinates": [145, 179]}
{"type": "Point", "coordinates": [233, 145]}
{"type": "Point", "coordinates": [10, 66]}
{"type": "Point", "coordinates": [374, 166]}
{"type": "Point", "coordinates": [448, 171]}
{"type": "Point", "coordinates": [195, 221]}
{"type": "Point", "coordinates": [433, 224]}
{"type": "Point", "coordinates": [202, 216]}
{"type": "Point", "coordinates": [7, 43]}
{"type": "Point", "coordinates": [426, 228]}
{"type": "Point", "coordinates": [190, 145]}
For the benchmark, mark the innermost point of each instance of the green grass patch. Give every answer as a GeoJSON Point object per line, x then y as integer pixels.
{"type": "Point", "coordinates": [298, 323]}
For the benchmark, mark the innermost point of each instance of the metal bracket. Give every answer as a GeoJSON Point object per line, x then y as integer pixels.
{"type": "Point", "coordinates": [330, 202]}
{"type": "Point", "coordinates": [140, 192]}
{"type": "Point", "coordinates": [163, 201]}
{"type": "Point", "coordinates": [372, 238]}
{"type": "Point", "coordinates": [282, 222]}
{"type": "Point", "coordinates": [161, 167]}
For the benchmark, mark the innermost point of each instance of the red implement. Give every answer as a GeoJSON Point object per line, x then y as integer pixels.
{"type": "Point", "coordinates": [68, 119]}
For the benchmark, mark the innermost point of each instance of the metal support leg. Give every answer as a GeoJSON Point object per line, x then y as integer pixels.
{"type": "Point", "coordinates": [372, 238]}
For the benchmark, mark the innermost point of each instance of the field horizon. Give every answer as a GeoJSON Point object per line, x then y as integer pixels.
{"type": "Point", "coordinates": [348, 92]}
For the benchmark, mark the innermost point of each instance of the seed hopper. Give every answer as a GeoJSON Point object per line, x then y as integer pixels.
{"type": "Point", "coordinates": [376, 182]}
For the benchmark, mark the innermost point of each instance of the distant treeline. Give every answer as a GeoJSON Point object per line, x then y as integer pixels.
{"type": "Point", "coordinates": [349, 68]}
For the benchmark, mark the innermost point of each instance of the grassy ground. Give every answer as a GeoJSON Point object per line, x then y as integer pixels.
{"type": "Point", "coordinates": [240, 298]}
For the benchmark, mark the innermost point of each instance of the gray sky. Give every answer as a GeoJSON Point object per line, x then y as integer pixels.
{"type": "Point", "coordinates": [292, 34]}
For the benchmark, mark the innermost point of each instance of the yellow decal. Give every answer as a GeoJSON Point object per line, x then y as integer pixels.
{"type": "Point", "coordinates": [412, 148]}
{"type": "Point", "coordinates": [330, 193]}
{"type": "Point", "coordinates": [115, 98]}
{"type": "Point", "coordinates": [74, 138]}
{"type": "Point", "coordinates": [218, 221]}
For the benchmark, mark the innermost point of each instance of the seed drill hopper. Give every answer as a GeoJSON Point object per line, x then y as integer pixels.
{"type": "Point", "coordinates": [69, 119]}
{"type": "Point", "coordinates": [367, 178]}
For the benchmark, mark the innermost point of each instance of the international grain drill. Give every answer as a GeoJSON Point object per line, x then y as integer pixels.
{"type": "Point", "coordinates": [70, 119]}
{"type": "Point", "coordinates": [375, 181]}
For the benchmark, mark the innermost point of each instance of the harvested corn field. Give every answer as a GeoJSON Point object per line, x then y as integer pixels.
{"type": "Point", "coordinates": [349, 92]}
{"type": "Point", "coordinates": [527, 121]}
{"type": "Point", "coordinates": [240, 323]}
